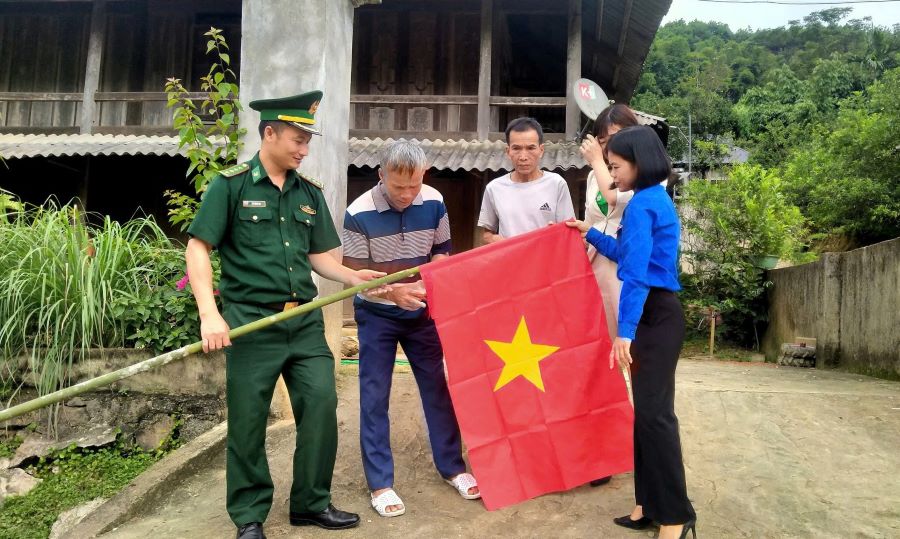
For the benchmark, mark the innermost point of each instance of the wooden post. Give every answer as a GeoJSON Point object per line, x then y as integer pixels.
{"type": "Point", "coordinates": [573, 69]}
{"type": "Point", "coordinates": [453, 80]}
{"type": "Point", "coordinates": [712, 332]}
{"type": "Point", "coordinates": [92, 70]}
{"type": "Point", "coordinates": [83, 191]}
{"type": "Point", "coordinates": [484, 69]}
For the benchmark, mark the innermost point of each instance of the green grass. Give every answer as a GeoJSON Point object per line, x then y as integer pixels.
{"type": "Point", "coordinates": [59, 278]}
{"type": "Point", "coordinates": [69, 481]}
{"type": "Point", "coordinates": [8, 447]}
{"type": "Point", "coordinates": [698, 348]}
{"type": "Point", "coordinates": [72, 477]}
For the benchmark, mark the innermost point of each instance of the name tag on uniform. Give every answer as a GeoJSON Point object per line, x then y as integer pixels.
{"type": "Point", "coordinates": [307, 209]}
{"type": "Point", "coordinates": [254, 203]}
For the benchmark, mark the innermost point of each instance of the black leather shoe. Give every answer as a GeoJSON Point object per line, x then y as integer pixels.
{"type": "Point", "coordinates": [330, 519]}
{"type": "Point", "coordinates": [641, 524]}
{"type": "Point", "coordinates": [601, 481]}
{"type": "Point", "coordinates": [253, 530]}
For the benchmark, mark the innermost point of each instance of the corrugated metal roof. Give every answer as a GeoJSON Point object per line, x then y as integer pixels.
{"type": "Point", "coordinates": [477, 154]}
{"type": "Point", "coordinates": [467, 154]}
{"type": "Point", "coordinates": [736, 155]}
{"type": "Point", "coordinates": [442, 154]}
{"type": "Point", "coordinates": [648, 119]}
{"type": "Point", "coordinates": [17, 146]}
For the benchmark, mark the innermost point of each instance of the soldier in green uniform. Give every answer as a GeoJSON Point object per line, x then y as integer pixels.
{"type": "Point", "coordinates": [271, 226]}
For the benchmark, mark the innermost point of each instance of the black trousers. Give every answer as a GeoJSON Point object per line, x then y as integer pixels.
{"type": "Point", "coordinates": [659, 484]}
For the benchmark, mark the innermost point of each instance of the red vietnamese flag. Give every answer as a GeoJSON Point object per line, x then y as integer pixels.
{"type": "Point", "coordinates": [527, 352]}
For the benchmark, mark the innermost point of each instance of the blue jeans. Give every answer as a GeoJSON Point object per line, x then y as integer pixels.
{"type": "Point", "coordinates": [378, 338]}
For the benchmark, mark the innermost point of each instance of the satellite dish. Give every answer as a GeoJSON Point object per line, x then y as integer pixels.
{"type": "Point", "coordinates": [591, 99]}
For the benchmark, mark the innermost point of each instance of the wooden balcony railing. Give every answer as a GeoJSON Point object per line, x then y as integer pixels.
{"type": "Point", "coordinates": [494, 101]}
{"type": "Point", "coordinates": [146, 113]}
{"type": "Point", "coordinates": [422, 116]}
{"type": "Point", "coordinates": [114, 113]}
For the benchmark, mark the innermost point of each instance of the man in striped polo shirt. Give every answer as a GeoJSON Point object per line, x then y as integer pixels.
{"type": "Point", "coordinates": [398, 224]}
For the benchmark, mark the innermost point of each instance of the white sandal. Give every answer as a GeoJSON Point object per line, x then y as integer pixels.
{"type": "Point", "coordinates": [386, 499]}
{"type": "Point", "coordinates": [462, 483]}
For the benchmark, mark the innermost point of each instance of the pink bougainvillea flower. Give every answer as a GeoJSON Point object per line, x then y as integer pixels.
{"type": "Point", "coordinates": [183, 282]}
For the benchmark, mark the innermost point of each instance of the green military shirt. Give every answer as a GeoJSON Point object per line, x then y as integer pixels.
{"type": "Point", "coordinates": [264, 235]}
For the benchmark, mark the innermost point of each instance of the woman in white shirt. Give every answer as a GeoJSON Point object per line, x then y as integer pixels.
{"type": "Point", "coordinates": [604, 204]}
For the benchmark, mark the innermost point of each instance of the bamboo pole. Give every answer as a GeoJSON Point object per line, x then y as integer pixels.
{"type": "Point", "coordinates": [185, 351]}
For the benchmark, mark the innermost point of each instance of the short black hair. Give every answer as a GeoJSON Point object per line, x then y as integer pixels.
{"type": "Point", "coordinates": [276, 125]}
{"type": "Point", "coordinates": [525, 124]}
{"type": "Point", "coordinates": [640, 146]}
{"type": "Point", "coordinates": [617, 114]}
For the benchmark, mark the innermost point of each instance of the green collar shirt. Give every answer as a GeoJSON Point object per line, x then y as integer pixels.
{"type": "Point", "coordinates": [264, 235]}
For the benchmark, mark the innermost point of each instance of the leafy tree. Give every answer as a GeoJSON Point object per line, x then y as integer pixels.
{"type": "Point", "coordinates": [709, 154]}
{"type": "Point", "coordinates": [788, 95]}
{"type": "Point", "coordinates": [832, 80]}
{"type": "Point", "coordinates": [774, 118]}
{"type": "Point", "coordinates": [848, 180]}
{"type": "Point", "coordinates": [729, 225]}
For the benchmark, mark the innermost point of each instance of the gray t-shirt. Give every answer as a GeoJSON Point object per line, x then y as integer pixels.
{"type": "Point", "coordinates": [511, 208]}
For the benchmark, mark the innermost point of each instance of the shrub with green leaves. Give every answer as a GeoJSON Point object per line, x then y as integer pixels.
{"type": "Point", "coordinates": [165, 317]}
{"type": "Point", "coordinates": [8, 204]}
{"type": "Point", "coordinates": [728, 225]}
{"type": "Point", "coordinates": [209, 132]}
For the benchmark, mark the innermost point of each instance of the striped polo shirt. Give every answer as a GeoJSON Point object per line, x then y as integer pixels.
{"type": "Point", "coordinates": [378, 237]}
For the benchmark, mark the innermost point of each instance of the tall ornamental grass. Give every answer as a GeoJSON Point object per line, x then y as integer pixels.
{"type": "Point", "coordinates": [59, 277]}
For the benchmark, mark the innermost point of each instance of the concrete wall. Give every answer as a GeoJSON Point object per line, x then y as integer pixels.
{"type": "Point", "coordinates": [143, 405]}
{"type": "Point", "coordinates": [200, 374]}
{"type": "Point", "coordinates": [848, 302]}
{"type": "Point", "coordinates": [870, 309]}
{"type": "Point", "coordinates": [805, 301]}
{"type": "Point", "coordinates": [290, 47]}
{"type": "Point", "coordinates": [197, 375]}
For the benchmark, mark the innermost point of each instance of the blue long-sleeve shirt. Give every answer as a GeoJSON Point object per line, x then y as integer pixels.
{"type": "Point", "coordinates": [646, 250]}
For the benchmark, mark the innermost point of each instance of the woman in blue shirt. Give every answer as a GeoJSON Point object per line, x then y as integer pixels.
{"type": "Point", "coordinates": [650, 327]}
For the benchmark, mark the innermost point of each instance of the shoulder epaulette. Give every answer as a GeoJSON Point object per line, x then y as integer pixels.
{"type": "Point", "coordinates": [313, 181]}
{"type": "Point", "coordinates": [235, 170]}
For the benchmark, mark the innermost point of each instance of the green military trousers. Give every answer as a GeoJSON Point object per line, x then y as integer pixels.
{"type": "Point", "coordinates": [296, 349]}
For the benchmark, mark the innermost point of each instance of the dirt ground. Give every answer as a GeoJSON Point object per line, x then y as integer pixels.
{"type": "Point", "coordinates": [769, 452]}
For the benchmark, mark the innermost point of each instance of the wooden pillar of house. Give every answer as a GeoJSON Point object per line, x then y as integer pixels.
{"type": "Point", "coordinates": [573, 68]}
{"type": "Point", "coordinates": [94, 62]}
{"type": "Point", "coordinates": [85, 183]}
{"type": "Point", "coordinates": [484, 69]}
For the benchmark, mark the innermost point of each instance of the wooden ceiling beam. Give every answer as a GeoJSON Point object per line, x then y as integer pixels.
{"type": "Point", "coordinates": [623, 37]}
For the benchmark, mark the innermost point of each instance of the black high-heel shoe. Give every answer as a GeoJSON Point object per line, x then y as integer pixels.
{"type": "Point", "coordinates": [689, 525]}
{"type": "Point", "coordinates": [640, 524]}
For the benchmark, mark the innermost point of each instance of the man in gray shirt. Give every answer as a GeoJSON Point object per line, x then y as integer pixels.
{"type": "Point", "coordinates": [527, 198]}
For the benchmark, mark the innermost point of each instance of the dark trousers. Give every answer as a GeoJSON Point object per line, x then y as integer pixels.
{"type": "Point", "coordinates": [296, 349]}
{"type": "Point", "coordinates": [378, 338]}
{"type": "Point", "coordinates": [659, 484]}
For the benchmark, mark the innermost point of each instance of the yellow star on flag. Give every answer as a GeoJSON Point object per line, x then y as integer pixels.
{"type": "Point", "coordinates": [521, 357]}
